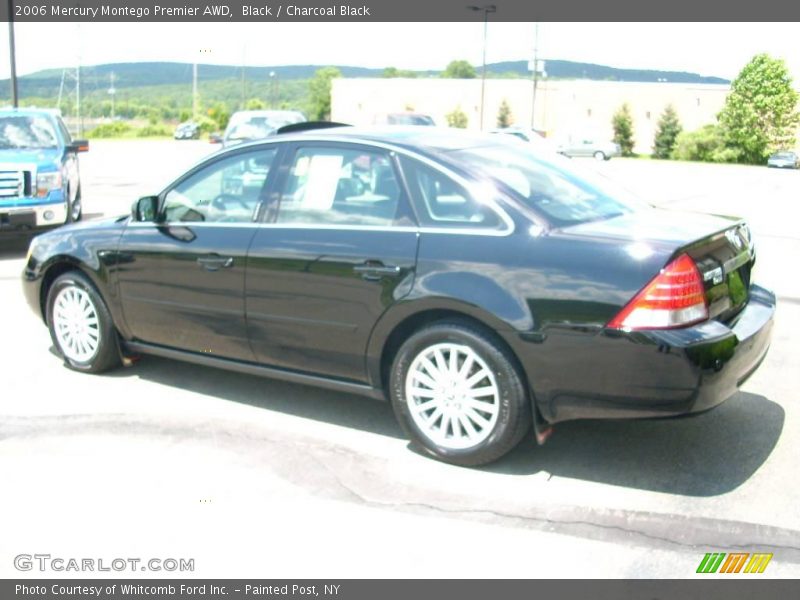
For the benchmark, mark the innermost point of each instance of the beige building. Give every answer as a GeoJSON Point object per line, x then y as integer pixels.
{"type": "Point", "coordinates": [564, 109]}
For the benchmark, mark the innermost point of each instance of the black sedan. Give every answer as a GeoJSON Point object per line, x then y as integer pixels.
{"type": "Point", "coordinates": [481, 288]}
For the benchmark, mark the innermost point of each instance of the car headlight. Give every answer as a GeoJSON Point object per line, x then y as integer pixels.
{"type": "Point", "coordinates": [45, 182]}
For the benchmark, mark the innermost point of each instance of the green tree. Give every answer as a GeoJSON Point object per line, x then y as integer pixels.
{"type": "Point", "coordinates": [255, 104]}
{"type": "Point", "coordinates": [220, 114]}
{"type": "Point", "coordinates": [459, 69]}
{"type": "Point", "coordinates": [504, 116]}
{"type": "Point", "coordinates": [622, 122]}
{"type": "Point", "coordinates": [457, 118]}
{"type": "Point", "coordinates": [319, 92]}
{"type": "Point", "coordinates": [760, 113]}
{"type": "Point", "coordinates": [391, 72]}
{"type": "Point", "coordinates": [669, 126]}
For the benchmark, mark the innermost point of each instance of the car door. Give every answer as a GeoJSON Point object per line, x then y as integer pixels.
{"type": "Point", "coordinates": [181, 278]}
{"type": "Point", "coordinates": [338, 249]}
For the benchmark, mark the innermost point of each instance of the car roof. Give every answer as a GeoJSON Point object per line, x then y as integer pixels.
{"type": "Point", "coordinates": [52, 112]}
{"type": "Point", "coordinates": [436, 139]}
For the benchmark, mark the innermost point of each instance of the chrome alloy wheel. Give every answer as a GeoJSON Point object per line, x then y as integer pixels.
{"type": "Point", "coordinates": [76, 324]}
{"type": "Point", "coordinates": [452, 396]}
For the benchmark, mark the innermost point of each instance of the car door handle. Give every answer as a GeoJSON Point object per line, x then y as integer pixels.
{"type": "Point", "coordinates": [374, 270]}
{"type": "Point", "coordinates": [215, 263]}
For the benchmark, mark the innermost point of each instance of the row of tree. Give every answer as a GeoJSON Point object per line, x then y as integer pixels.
{"type": "Point", "coordinates": [760, 116]}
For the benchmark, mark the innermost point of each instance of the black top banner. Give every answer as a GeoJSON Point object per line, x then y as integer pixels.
{"type": "Point", "coordinates": [396, 10]}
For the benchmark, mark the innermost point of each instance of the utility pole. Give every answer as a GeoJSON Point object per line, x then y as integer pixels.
{"type": "Point", "coordinates": [244, 63]}
{"type": "Point", "coordinates": [535, 73]}
{"type": "Point", "coordinates": [61, 88]}
{"type": "Point", "coordinates": [12, 53]}
{"type": "Point", "coordinates": [112, 92]}
{"type": "Point", "coordinates": [194, 92]}
{"type": "Point", "coordinates": [487, 8]}
{"type": "Point", "coordinates": [78, 86]}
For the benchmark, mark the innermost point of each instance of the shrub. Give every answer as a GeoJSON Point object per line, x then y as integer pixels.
{"type": "Point", "coordinates": [154, 130]}
{"type": "Point", "coordinates": [707, 144]}
{"type": "Point", "coordinates": [110, 130]}
{"type": "Point", "coordinates": [504, 116]}
{"type": "Point", "coordinates": [458, 118]}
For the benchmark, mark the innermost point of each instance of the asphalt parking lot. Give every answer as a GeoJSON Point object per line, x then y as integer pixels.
{"type": "Point", "coordinates": [252, 476]}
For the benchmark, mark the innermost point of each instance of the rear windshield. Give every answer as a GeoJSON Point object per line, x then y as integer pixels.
{"type": "Point", "coordinates": [27, 132]}
{"type": "Point", "coordinates": [551, 184]}
{"type": "Point", "coordinates": [402, 119]}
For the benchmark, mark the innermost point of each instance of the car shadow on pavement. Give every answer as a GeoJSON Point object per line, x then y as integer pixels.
{"type": "Point", "coordinates": [14, 245]}
{"type": "Point", "coordinates": [707, 454]}
{"type": "Point", "coordinates": [337, 408]}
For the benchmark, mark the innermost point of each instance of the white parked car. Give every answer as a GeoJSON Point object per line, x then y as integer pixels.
{"type": "Point", "coordinates": [589, 146]}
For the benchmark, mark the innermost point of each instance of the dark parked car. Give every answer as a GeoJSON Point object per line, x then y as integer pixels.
{"type": "Point", "coordinates": [482, 289]}
{"type": "Point", "coordinates": [784, 160]}
{"type": "Point", "coordinates": [187, 131]}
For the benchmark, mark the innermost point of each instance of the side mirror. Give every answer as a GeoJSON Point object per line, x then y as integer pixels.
{"type": "Point", "coordinates": [79, 146]}
{"type": "Point", "coordinates": [145, 209]}
{"type": "Point", "coordinates": [214, 138]}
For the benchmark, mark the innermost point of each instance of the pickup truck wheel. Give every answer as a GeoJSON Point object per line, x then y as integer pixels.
{"type": "Point", "coordinates": [457, 394]}
{"type": "Point", "coordinates": [80, 325]}
{"type": "Point", "coordinates": [599, 155]}
{"type": "Point", "coordinates": [75, 208]}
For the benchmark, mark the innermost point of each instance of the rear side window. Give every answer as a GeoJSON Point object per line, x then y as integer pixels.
{"type": "Point", "coordinates": [339, 186]}
{"type": "Point", "coordinates": [442, 202]}
{"type": "Point", "coordinates": [551, 184]}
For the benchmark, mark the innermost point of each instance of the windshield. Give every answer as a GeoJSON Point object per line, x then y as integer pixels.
{"type": "Point", "coordinates": [407, 119]}
{"type": "Point", "coordinates": [26, 132]}
{"type": "Point", "coordinates": [551, 184]}
{"type": "Point", "coordinates": [254, 128]}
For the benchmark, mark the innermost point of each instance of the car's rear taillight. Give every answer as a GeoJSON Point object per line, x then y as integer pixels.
{"type": "Point", "coordinates": [674, 298]}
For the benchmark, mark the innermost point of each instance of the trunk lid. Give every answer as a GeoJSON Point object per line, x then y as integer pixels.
{"type": "Point", "coordinates": [720, 246]}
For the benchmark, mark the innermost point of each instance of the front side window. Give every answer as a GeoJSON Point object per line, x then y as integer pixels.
{"type": "Point", "coordinates": [442, 202]}
{"type": "Point", "coordinates": [337, 186]}
{"type": "Point", "coordinates": [227, 191]}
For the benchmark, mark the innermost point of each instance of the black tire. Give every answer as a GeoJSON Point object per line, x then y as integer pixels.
{"type": "Point", "coordinates": [106, 355]}
{"type": "Point", "coordinates": [73, 218]}
{"type": "Point", "coordinates": [600, 155]}
{"type": "Point", "coordinates": [513, 419]}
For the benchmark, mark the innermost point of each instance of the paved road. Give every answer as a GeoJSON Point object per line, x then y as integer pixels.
{"type": "Point", "coordinates": [251, 476]}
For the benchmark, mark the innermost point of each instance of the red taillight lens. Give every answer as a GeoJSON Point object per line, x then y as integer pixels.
{"type": "Point", "coordinates": [674, 298]}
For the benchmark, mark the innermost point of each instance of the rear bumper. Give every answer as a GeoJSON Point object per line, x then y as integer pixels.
{"type": "Point", "coordinates": [615, 374]}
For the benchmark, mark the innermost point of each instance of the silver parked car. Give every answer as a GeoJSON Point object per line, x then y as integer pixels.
{"type": "Point", "coordinates": [589, 146]}
{"type": "Point", "coordinates": [250, 125]}
{"type": "Point", "coordinates": [784, 160]}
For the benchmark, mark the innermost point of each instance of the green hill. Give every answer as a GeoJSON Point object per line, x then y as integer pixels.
{"type": "Point", "coordinates": [162, 90]}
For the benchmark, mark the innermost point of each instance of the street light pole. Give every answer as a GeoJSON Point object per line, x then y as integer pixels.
{"type": "Point", "coordinates": [535, 74]}
{"type": "Point", "coordinates": [12, 53]}
{"type": "Point", "coordinates": [486, 8]}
